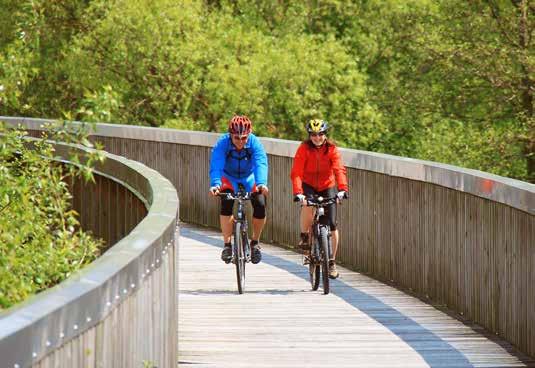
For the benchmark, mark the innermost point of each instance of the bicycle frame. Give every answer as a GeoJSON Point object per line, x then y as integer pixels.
{"type": "Point", "coordinates": [320, 244]}
{"type": "Point", "coordinates": [241, 198]}
{"type": "Point", "coordinates": [319, 203]}
{"type": "Point", "coordinates": [241, 249]}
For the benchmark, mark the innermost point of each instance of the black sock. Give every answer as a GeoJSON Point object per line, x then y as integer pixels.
{"type": "Point", "coordinates": [254, 242]}
{"type": "Point", "coordinates": [228, 245]}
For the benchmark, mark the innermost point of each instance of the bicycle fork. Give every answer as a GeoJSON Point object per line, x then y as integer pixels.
{"type": "Point", "coordinates": [246, 245]}
{"type": "Point", "coordinates": [315, 246]}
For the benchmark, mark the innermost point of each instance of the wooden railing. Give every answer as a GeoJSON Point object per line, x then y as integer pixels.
{"type": "Point", "coordinates": [121, 310]}
{"type": "Point", "coordinates": [456, 237]}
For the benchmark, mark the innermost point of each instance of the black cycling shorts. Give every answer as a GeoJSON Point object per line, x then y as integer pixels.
{"type": "Point", "coordinates": [329, 218]}
{"type": "Point", "coordinates": [258, 201]}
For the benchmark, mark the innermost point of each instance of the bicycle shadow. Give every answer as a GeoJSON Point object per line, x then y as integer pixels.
{"type": "Point", "coordinates": [229, 292]}
{"type": "Point", "coordinates": [433, 349]}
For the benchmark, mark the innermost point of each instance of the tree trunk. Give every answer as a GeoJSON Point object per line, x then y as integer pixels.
{"type": "Point", "coordinates": [527, 86]}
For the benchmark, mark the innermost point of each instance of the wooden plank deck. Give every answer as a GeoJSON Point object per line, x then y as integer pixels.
{"type": "Point", "coordinates": [280, 322]}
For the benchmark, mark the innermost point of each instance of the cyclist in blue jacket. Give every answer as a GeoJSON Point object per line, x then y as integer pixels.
{"type": "Point", "coordinates": [238, 157]}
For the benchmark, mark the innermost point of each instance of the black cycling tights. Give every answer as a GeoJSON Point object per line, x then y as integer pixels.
{"type": "Point", "coordinates": [257, 200]}
{"type": "Point", "coordinates": [329, 218]}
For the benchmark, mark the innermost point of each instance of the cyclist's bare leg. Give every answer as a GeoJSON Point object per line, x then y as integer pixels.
{"type": "Point", "coordinates": [334, 242]}
{"type": "Point", "coordinates": [258, 225]}
{"type": "Point", "coordinates": [226, 227]}
{"type": "Point", "coordinates": [307, 217]}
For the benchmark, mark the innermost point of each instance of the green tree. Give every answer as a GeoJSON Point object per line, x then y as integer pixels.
{"type": "Point", "coordinates": [391, 75]}
{"type": "Point", "coordinates": [37, 36]}
{"type": "Point", "coordinates": [464, 64]}
{"type": "Point", "coordinates": [198, 65]}
{"type": "Point", "coordinates": [487, 52]}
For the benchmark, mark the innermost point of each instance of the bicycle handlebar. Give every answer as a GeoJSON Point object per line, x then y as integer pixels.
{"type": "Point", "coordinates": [315, 200]}
{"type": "Point", "coordinates": [235, 196]}
{"type": "Point", "coordinates": [320, 201]}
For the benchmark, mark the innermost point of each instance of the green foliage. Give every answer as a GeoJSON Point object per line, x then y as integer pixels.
{"type": "Point", "coordinates": [385, 73]}
{"type": "Point", "coordinates": [40, 240]}
{"type": "Point", "coordinates": [487, 148]}
{"type": "Point", "coordinates": [37, 38]}
{"type": "Point", "coordinates": [148, 364]}
{"type": "Point", "coordinates": [203, 69]}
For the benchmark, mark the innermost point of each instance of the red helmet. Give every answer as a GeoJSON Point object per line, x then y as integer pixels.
{"type": "Point", "coordinates": [241, 125]}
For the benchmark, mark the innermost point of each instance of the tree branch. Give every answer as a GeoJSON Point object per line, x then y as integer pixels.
{"type": "Point", "coordinates": [495, 12]}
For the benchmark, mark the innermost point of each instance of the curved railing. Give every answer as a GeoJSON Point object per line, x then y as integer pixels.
{"type": "Point", "coordinates": [120, 311]}
{"type": "Point", "coordinates": [456, 237]}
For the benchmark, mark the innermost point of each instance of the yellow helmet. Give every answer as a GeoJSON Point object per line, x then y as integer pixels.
{"type": "Point", "coordinates": [317, 126]}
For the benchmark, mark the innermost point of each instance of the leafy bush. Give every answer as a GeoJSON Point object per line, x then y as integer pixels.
{"type": "Point", "coordinates": [40, 240]}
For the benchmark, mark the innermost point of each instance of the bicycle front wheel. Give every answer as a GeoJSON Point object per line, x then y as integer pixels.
{"type": "Point", "coordinates": [239, 257]}
{"type": "Point", "coordinates": [324, 249]}
{"type": "Point", "coordinates": [314, 272]}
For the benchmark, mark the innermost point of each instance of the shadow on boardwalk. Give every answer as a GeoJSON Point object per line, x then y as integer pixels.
{"type": "Point", "coordinates": [435, 351]}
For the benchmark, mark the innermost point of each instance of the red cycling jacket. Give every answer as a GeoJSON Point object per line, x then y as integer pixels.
{"type": "Point", "coordinates": [318, 167]}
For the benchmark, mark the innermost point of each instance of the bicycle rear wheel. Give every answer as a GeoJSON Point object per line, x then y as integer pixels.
{"type": "Point", "coordinates": [324, 250]}
{"type": "Point", "coordinates": [239, 257]}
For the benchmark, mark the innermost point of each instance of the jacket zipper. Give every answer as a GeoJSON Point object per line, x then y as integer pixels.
{"type": "Point", "coordinates": [317, 170]}
{"type": "Point", "coordinates": [239, 165]}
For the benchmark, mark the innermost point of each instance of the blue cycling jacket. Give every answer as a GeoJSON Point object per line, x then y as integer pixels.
{"type": "Point", "coordinates": [227, 161]}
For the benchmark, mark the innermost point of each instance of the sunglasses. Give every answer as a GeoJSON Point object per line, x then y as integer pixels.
{"type": "Point", "coordinates": [321, 134]}
{"type": "Point", "coordinates": [240, 138]}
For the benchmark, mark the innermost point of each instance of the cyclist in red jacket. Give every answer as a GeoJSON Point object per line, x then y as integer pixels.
{"type": "Point", "coordinates": [318, 169]}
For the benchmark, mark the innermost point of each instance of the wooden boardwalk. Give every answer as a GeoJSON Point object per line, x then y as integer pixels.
{"type": "Point", "coordinates": [280, 322]}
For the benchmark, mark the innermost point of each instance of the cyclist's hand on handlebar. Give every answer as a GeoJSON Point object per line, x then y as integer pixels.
{"type": "Point", "coordinates": [263, 189]}
{"type": "Point", "coordinates": [342, 195]}
{"type": "Point", "coordinates": [300, 198]}
{"type": "Point", "coordinates": [214, 190]}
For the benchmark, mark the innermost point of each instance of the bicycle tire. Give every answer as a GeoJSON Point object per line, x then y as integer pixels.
{"type": "Point", "coordinates": [239, 258]}
{"type": "Point", "coordinates": [324, 256]}
{"type": "Point", "coordinates": [246, 249]}
{"type": "Point", "coordinates": [314, 271]}
{"type": "Point", "coordinates": [313, 266]}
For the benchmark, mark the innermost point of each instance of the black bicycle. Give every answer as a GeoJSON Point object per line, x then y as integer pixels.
{"type": "Point", "coordinates": [241, 249]}
{"type": "Point", "coordinates": [320, 243]}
